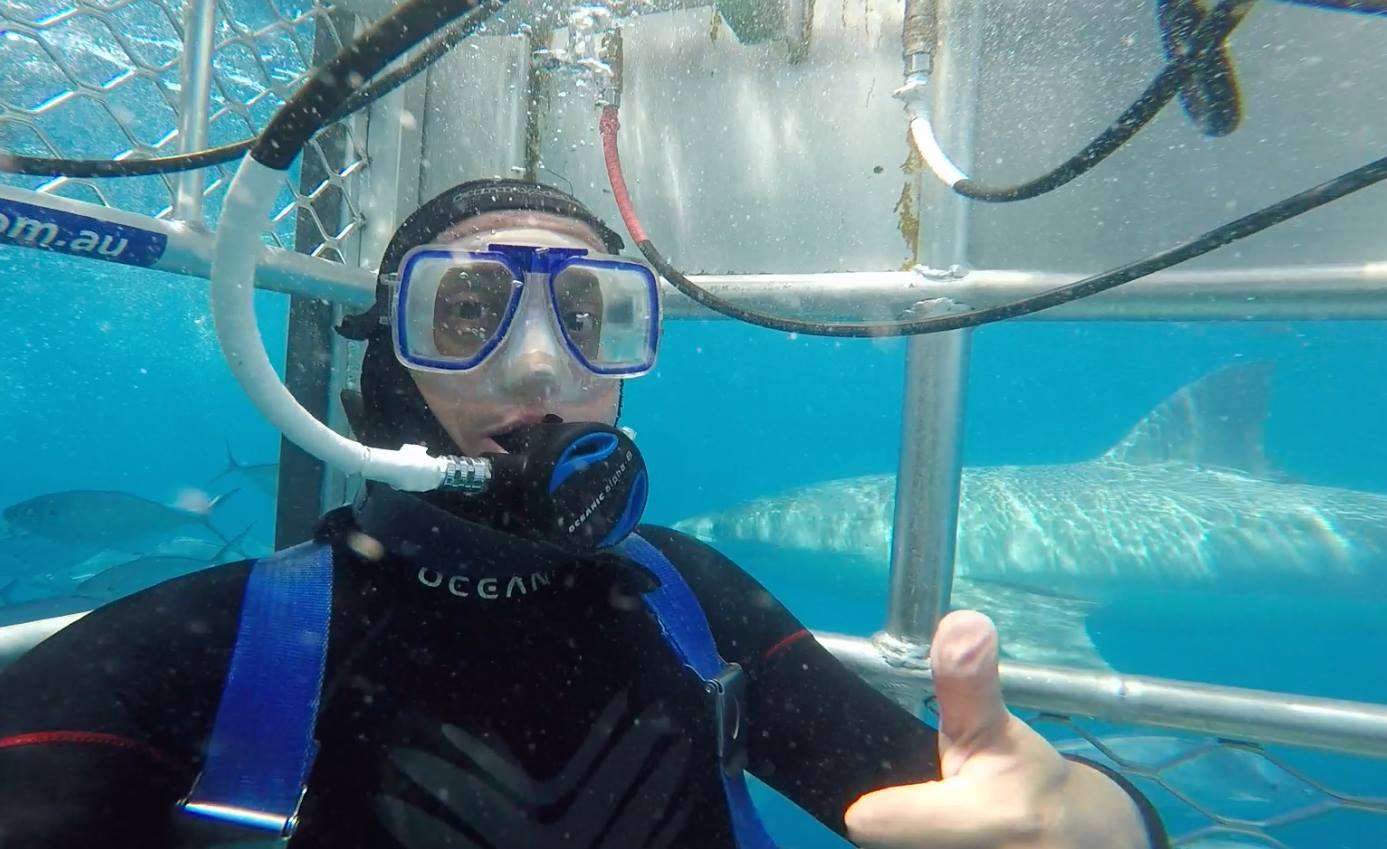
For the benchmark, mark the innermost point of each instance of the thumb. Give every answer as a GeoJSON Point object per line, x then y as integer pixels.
{"type": "Point", "coordinates": [963, 656]}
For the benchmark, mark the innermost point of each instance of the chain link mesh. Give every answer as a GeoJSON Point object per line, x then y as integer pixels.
{"type": "Point", "coordinates": [1231, 794]}
{"type": "Point", "coordinates": [101, 80]}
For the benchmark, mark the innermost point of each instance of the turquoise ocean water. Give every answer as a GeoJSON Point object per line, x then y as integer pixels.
{"type": "Point", "coordinates": [115, 382]}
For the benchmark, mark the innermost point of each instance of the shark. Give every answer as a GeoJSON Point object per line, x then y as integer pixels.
{"type": "Point", "coordinates": [1186, 502]}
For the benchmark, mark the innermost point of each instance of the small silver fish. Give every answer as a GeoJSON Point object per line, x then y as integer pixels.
{"type": "Point", "coordinates": [1231, 780]}
{"type": "Point", "coordinates": [206, 550]}
{"type": "Point", "coordinates": [144, 572]}
{"type": "Point", "coordinates": [105, 518]}
{"type": "Point", "coordinates": [262, 476]}
{"type": "Point", "coordinates": [30, 588]}
{"type": "Point", "coordinates": [135, 575]}
{"type": "Point", "coordinates": [26, 554]}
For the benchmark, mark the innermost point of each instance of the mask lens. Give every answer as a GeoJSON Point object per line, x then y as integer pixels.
{"type": "Point", "coordinates": [452, 309]}
{"type": "Point", "coordinates": [605, 311]}
{"type": "Point", "coordinates": [469, 307]}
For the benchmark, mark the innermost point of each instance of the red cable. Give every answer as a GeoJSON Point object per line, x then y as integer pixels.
{"type": "Point", "coordinates": [607, 125]}
{"type": "Point", "coordinates": [45, 738]}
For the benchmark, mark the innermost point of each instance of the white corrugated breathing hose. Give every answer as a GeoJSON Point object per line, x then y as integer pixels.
{"type": "Point", "coordinates": [236, 252]}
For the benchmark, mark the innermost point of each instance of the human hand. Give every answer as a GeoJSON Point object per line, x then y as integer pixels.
{"type": "Point", "coordinates": [1003, 785]}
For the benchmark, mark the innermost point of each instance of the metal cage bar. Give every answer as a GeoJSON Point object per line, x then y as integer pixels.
{"type": "Point", "coordinates": [930, 466]}
{"type": "Point", "coordinates": [1236, 713]}
{"type": "Point", "coordinates": [1340, 292]}
{"type": "Point", "coordinates": [194, 100]}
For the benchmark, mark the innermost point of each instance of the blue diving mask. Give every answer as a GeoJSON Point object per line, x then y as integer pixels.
{"type": "Point", "coordinates": [451, 309]}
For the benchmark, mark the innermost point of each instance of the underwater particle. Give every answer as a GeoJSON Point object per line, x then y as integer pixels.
{"type": "Point", "coordinates": [877, 169]}
{"type": "Point", "coordinates": [715, 25]}
{"type": "Point", "coordinates": [366, 546]}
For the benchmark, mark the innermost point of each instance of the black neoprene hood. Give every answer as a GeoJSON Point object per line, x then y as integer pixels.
{"type": "Point", "coordinates": [459, 204]}
{"type": "Point", "coordinates": [390, 412]}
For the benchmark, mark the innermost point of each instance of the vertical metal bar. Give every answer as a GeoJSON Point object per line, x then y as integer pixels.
{"type": "Point", "coordinates": [927, 485]}
{"type": "Point", "coordinates": [929, 470]}
{"type": "Point", "coordinates": [312, 342]}
{"type": "Point", "coordinates": [391, 188]}
{"type": "Point", "coordinates": [195, 79]}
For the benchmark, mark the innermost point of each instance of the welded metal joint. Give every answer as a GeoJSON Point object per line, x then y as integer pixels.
{"type": "Point", "coordinates": [941, 275]}
{"type": "Point", "coordinates": [900, 653]}
{"type": "Point", "coordinates": [931, 307]}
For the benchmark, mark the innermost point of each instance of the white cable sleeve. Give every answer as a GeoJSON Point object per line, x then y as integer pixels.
{"type": "Point", "coordinates": [922, 134]}
{"type": "Point", "coordinates": [238, 248]}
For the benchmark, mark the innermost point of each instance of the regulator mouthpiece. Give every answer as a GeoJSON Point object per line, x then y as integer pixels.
{"type": "Point", "coordinates": [581, 486]}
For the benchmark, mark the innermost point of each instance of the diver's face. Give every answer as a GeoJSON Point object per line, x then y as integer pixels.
{"type": "Point", "coordinates": [531, 374]}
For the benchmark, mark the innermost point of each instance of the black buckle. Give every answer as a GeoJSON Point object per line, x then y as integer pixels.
{"type": "Point", "coordinates": [727, 692]}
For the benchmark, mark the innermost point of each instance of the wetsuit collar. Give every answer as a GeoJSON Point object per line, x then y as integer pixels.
{"type": "Point", "coordinates": [413, 529]}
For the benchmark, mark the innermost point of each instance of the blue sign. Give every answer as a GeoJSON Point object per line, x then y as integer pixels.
{"type": "Point", "coordinates": [31, 226]}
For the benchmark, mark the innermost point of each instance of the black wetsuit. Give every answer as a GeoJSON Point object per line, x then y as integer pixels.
{"type": "Point", "coordinates": [511, 697]}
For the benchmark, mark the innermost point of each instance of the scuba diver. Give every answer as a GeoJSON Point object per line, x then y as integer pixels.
{"type": "Point", "coordinates": [479, 685]}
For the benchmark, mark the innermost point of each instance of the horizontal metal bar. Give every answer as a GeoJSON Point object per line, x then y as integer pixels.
{"type": "Point", "coordinates": [1286, 293]}
{"type": "Point", "coordinates": [189, 251]}
{"type": "Point", "coordinates": [1258, 716]}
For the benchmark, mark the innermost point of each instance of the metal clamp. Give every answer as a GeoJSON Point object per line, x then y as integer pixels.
{"type": "Point", "coordinates": [469, 474]}
{"type": "Point", "coordinates": [727, 693]}
{"type": "Point", "coordinates": [245, 817]}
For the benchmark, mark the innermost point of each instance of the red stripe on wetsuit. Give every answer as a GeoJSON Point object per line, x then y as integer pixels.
{"type": "Point", "coordinates": [785, 643]}
{"type": "Point", "coordinates": [89, 738]}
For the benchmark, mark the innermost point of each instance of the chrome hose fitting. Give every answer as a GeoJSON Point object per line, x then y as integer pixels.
{"type": "Point", "coordinates": [467, 474]}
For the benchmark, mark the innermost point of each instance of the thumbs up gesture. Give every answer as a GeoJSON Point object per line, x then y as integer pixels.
{"type": "Point", "coordinates": [1003, 785]}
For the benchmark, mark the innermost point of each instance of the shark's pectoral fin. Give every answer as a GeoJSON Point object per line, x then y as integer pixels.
{"type": "Point", "coordinates": [1034, 627]}
{"type": "Point", "coordinates": [1217, 420]}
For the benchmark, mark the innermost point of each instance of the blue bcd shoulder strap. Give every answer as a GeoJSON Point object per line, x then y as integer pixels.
{"type": "Point", "coordinates": [262, 746]}
{"type": "Point", "coordinates": [686, 630]}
